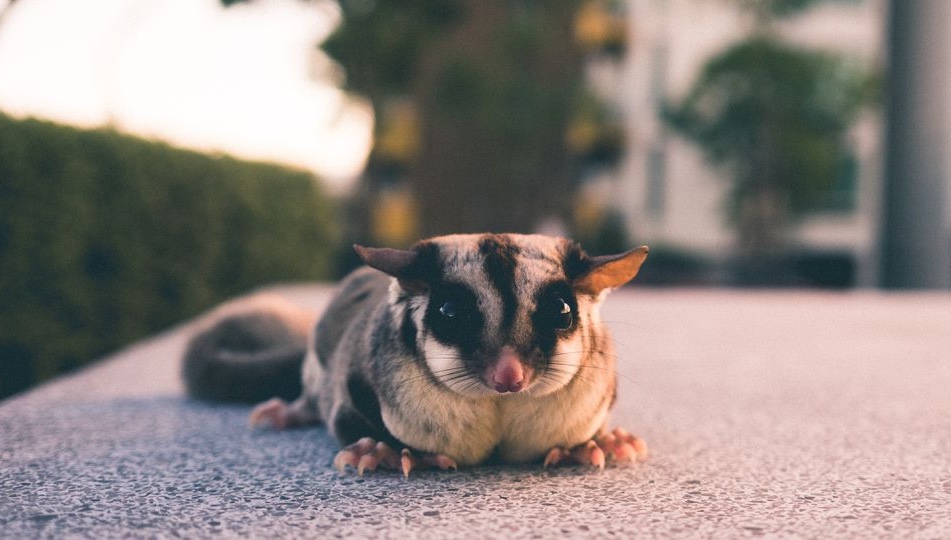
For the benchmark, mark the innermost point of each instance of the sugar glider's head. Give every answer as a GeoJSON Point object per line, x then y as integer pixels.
{"type": "Point", "coordinates": [501, 313]}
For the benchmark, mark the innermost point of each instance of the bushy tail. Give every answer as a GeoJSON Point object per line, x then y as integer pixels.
{"type": "Point", "coordinates": [249, 352]}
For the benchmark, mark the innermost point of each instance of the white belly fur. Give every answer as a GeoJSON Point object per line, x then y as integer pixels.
{"type": "Point", "coordinates": [521, 426]}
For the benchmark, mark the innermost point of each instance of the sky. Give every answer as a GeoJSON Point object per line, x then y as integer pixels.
{"type": "Point", "coordinates": [247, 81]}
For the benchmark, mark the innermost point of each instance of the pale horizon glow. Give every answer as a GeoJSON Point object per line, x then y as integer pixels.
{"type": "Point", "coordinates": [238, 81]}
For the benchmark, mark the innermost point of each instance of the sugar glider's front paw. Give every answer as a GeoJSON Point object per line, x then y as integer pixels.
{"type": "Point", "coordinates": [617, 445]}
{"type": "Point", "coordinates": [368, 455]}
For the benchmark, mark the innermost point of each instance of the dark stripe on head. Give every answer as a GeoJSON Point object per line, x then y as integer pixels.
{"type": "Point", "coordinates": [499, 254]}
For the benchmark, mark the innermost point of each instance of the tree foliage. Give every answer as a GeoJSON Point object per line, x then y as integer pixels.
{"type": "Point", "coordinates": [380, 43]}
{"type": "Point", "coordinates": [776, 117]}
{"type": "Point", "coordinates": [492, 88]}
{"type": "Point", "coordinates": [492, 84]}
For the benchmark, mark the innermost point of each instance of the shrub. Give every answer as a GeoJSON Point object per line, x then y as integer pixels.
{"type": "Point", "coordinates": [105, 238]}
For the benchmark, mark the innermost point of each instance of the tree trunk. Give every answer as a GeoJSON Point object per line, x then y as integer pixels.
{"type": "Point", "coordinates": [494, 113]}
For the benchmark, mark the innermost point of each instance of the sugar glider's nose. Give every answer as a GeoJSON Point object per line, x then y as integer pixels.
{"type": "Point", "coordinates": [508, 373]}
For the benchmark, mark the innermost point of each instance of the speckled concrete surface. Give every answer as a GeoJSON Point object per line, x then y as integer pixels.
{"type": "Point", "coordinates": [777, 414]}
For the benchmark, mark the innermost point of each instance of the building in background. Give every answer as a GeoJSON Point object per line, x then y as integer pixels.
{"type": "Point", "coordinates": [667, 192]}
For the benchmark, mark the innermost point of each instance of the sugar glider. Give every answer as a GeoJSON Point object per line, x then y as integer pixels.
{"type": "Point", "coordinates": [460, 350]}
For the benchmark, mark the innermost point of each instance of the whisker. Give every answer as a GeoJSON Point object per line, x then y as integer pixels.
{"type": "Point", "coordinates": [443, 374]}
{"type": "Point", "coordinates": [619, 322]}
{"type": "Point", "coordinates": [585, 351]}
{"type": "Point", "coordinates": [582, 376]}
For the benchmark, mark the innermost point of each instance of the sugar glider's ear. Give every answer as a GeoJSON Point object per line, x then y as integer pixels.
{"type": "Point", "coordinates": [399, 263]}
{"type": "Point", "coordinates": [610, 271]}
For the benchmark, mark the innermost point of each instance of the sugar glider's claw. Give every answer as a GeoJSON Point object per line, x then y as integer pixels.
{"type": "Point", "coordinates": [597, 457]}
{"type": "Point", "coordinates": [379, 454]}
{"type": "Point", "coordinates": [555, 456]}
{"type": "Point", "coordinates": [589, 453]}
{"type": "Point", "coordinates": [444, 462]}
{"type": "Point", "coordinates": [408, 462]}
{"type": "Point", "coordinates": [352, 454]}
{"type": "Point", "coordinates": [366, 462]}
{"type": "Point", "coordinates": [344, 458]}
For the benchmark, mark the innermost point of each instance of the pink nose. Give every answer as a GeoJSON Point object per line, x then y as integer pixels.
{"type": "Point", "coordinates": [508, 374]}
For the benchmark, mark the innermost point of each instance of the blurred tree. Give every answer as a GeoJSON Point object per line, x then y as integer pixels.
{"type": "Point", "coordinates": [776, 116]}
{"type": "Point", "coordinates": [475, 102]}
{"type": "Point", "coordinates": [497, 95]}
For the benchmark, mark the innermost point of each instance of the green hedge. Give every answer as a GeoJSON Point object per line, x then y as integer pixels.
{"type": "Point", "coordinates": [105, 238]}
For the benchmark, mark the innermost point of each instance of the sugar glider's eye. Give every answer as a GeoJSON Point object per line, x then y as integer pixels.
{"type": "Point", "coordinates": [562, 315]}
{"type": "Point", "coordinates": [449, 309]}
{"type": "Point", "coordinates": [453, 317]}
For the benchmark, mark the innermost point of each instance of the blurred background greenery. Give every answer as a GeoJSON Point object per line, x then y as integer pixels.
{"type": "Point", "coordinates": [487, 115]}
{"type": "Point", "coordinates": [105, 238]}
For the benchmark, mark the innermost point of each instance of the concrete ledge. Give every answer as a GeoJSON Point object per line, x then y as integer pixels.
{"type": "Point", "coordinates": [784, 414]}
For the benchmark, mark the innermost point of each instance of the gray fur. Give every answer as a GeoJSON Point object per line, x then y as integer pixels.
{"type": "Point", "coordinates": [246, 357]}
{"type": "Point", "coordinates": [377, 367]}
